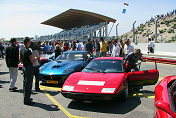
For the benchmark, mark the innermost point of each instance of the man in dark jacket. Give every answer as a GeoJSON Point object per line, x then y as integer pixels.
{"type": "Point", "coordinates": [28, 61]}
{"type": "Point", "coordinates": [89, 46]}
{"type": "Point", "coordinates": [12, 60]}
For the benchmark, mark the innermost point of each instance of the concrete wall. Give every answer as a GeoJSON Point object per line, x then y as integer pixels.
{"type": "Point", "coordinates": [159, 47]}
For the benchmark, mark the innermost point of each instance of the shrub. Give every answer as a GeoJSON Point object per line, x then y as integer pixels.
{"type": "Point", "coordinates": [174, 26]}
{"type": "Point", "coordinates": [171, 30]}
{"type": "Point", "coordinates": [161, 31]}
{"type": "Point", "coordinates": [172, 40]}
{"type": "Point", "coordinates": [163, 22]}
{"type": "Point", "coordinates": [144, 34]}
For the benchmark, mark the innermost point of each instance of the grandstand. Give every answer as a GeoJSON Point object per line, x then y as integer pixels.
{"type": "Point", "coordinates": [77, 25]}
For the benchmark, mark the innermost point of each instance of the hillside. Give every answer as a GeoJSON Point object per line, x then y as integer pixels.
{"type": "Point", "coordinates": [166, 30]}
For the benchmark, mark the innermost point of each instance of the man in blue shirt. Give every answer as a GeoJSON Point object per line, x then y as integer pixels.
{"type": "Point", "coordinates": [44, 49]}
{"type": "Point", "coordinates": [48, 47]}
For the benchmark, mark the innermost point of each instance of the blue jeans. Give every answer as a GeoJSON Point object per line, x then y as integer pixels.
{"type": "Point", "coordinates": [102, 54]}
{"type": "Point", "coordinates": [97, 54]}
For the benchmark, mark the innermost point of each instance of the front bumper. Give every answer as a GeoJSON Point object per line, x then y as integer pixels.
{"type": "Point", "coordinates": [57, 78]}
{"type": "Point", "coordinates": [90, 96]}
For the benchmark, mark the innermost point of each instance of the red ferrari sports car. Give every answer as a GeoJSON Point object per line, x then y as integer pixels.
{"type": "Point", "coordinates": [165, 98]}
{"type": "Point", "coordinates": [105, 78]}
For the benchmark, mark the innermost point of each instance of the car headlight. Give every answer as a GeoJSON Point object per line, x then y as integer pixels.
{"type": "Point", "coordinates": [68, 71]}
{"type": "Point", "coordinates": [41, 69]}
{"type": "Point", "coordinates": [108, 90]}
{"type": "Point", "coordinates": [68, 88]}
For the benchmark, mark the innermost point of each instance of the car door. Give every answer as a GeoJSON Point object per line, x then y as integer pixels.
{"type": "Point", "coordinates": [147, 75]}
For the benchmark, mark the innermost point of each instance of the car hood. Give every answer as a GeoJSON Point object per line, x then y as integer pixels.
{"type": "Point", "coordinates": [58, 67]}
{"type": "Point", "coordinates": [94, 82]}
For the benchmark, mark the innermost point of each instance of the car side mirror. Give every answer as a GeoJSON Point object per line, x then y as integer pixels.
{"type": "Point", "coordinates": [51, 59]}
{"type": "Point", "coordinates": [90, 59]}
{"type": "Point", "coordinates": [165, 107]}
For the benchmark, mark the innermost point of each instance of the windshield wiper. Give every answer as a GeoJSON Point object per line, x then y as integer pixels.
{"type": "Point", "coordinates": [94, 70]}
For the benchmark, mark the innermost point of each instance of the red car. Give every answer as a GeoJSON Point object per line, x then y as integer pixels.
{"type": "Point", "coordinates": [165, 98]}
{"type": "Point", "coordinates": [105, 78]}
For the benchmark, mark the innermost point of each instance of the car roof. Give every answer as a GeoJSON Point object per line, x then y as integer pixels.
{"type": "Point", "coordinates": [112, 58]}
{"type": "Point", "coordinates": [76, 52]}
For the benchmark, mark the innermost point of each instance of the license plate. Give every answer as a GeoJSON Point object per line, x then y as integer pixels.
{"type": "Point", "coordinates": [51, 82]}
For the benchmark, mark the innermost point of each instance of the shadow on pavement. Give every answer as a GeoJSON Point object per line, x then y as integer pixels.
{"type": "Point", "coordinates": [107, 107]}
{"type": "Point", "coordinates": [21, 91]}
{"type": "Point", "coordinates": [147, 92]}
{"type": "Point", "coordinates": [46, 107]}
{"type": "Point", "coordinates": [52, 85]}
{"type": "Point", "coordinates": [3, 73]}
{"type": "Point", "coordinates": [53, 93]}
{"type": "Point", "coordinates": [4, 82]}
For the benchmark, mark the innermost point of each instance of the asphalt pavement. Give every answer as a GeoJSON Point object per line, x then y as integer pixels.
{"type": "Point", "coordinates": [51, 104]}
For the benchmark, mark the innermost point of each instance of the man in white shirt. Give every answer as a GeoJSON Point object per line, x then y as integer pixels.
{"type": "Point", "coordinates": [128, 47]}
{"type": "Point", "coordinates": [79, 46]}
{"type": "Point", "coordinates": [151, 46]}
{"type": "Point", "coordinates": [115, 49]}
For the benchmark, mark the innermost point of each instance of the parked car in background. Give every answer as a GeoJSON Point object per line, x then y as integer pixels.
{"type": "Point", "coordinates": [44, 58]}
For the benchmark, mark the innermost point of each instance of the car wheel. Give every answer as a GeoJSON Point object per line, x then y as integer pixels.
{"type": "Point", "coordinates": [124, 94]}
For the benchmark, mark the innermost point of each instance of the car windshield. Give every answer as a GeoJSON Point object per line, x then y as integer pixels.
{"type": "Point", "coordinates": [104, 66]}
{"type": "Point", "coordinates": [71, 57]}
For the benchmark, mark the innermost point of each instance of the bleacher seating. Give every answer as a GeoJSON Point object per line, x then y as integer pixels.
{"type": "Point", "coordinates": [78, 33]}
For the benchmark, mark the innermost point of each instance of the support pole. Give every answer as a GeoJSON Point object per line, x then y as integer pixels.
{"type": "Point", "coordinates": [156, 22]}
{"type": "Point", "coordinates": [110, 30]}
{"type": "Point", "coordinates": [103, 32]}
{"type": "Point", "coordinates": [134, 32]}
{"type": "Point", "coordinates": [117, 30]}
{"type": "Point", "coordinates": [95, 34]}
{"type": "Point", "coordinates": [100, 32]}
{"type": "Point", "coordinates": [106, 30]}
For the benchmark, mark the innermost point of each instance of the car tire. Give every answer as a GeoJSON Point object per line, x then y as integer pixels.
{"type": "Point", "coordinates": [124, 94]}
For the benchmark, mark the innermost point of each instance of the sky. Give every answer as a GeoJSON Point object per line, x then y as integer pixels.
{"type": "Point", "coordinates": [20, 18]}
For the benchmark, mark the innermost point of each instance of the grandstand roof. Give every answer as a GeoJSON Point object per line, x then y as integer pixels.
{"type": "Point", "coordinates": [75, 18]}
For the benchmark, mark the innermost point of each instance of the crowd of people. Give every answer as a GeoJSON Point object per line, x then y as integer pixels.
{"type": "Point", "coordinates": [30, 57]}
{"type": "Point", "coordinates": [101, 48]}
